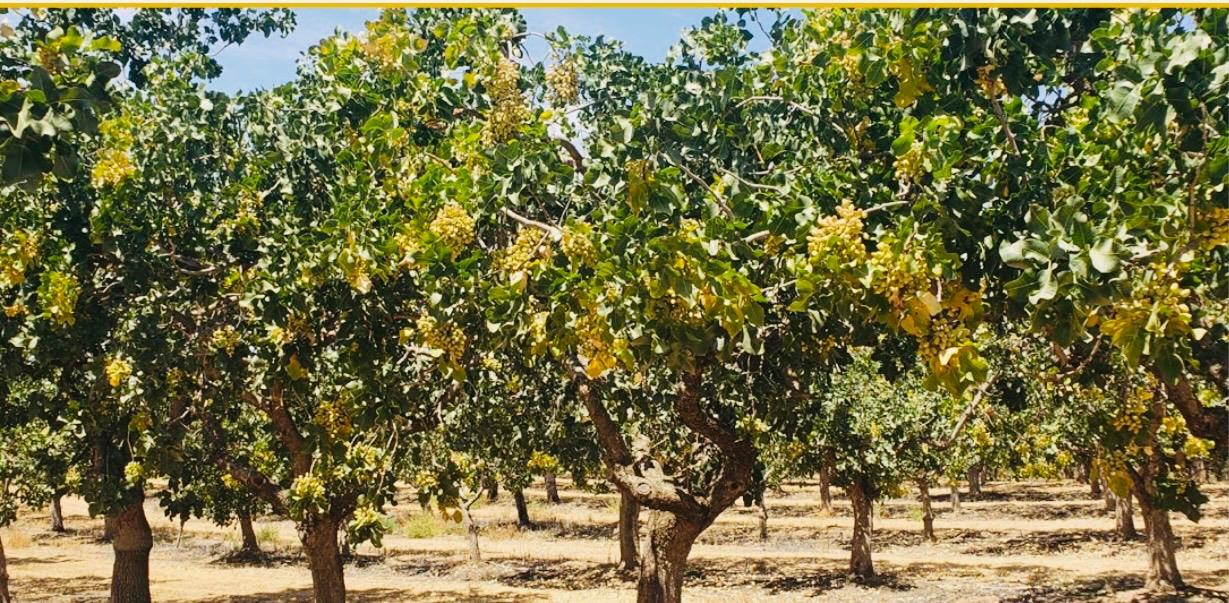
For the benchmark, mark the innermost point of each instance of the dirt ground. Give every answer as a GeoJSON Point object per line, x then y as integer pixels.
{"type": "Point", "coordinates": [1022, 541]}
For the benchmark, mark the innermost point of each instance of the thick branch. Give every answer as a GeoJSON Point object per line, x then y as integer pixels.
{"type": "Point", "coordinates": [1207, 423]}
{"type": "Point", "coordinates": [643, 479]}
{"type": "Point", "coordinates": [283, 425]}
{"type": "Point", "coordinates": [255, 481]}
{"type": "Point", "coordinates": [578, 160]}
{"type": "Point", "coordinates": [737, 454]}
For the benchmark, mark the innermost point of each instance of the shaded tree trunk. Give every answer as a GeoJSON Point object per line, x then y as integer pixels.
{"type": "Point", "coordinates": [860, 563]}
{"type": "Point", "coordinates": [492, 489]}
{"type": "Point", "coordinates": [928, 514]}
{"type": "Point", "coordinates": [108, 529]}
{"type": "Point", "coordinates": [825, 489]}
{"type": "Point", "coordinates": [1163, 571]}
{"type": "Point", "coordinates": [131, 542]}
{"type": "Point", "coordinates": [629, 532]}
{"type": "Point", "coordinates": [522, 510]}
{"type": "Point", "coordinates": [57, 514]}
{"type": "Point", "coordinates": [671, 537]}
{"type": "Point", "coordinates": [552, 488]}
{"type": "Point", "coordinates": [319, 538]}
{"type": "Point", "coordinates": [762, 507]}
{"type": "Point", "coordinates": [250, 544]}
{"type": "Point", "coordinates": [955, 486]}
{"type": "Point", "coordinates": [5, 597]}
{"type": "Point", "coordinates": [471, 534]}
{"type": "Point", "coordinates": [1108, 496]}
{"type": "Point", "coordinates": [1124, 522]}
{"type": "Point", "coordinates": [974, 482]}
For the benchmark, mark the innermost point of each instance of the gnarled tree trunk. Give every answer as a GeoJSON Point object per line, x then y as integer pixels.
{"type": "Point", "coordinates": [250, 544]}
{"type": "Point", "coordinates": [522, 510]}
{"type": "Point", "coordinates": [671, 537]}
{"type": "Point", "coordinates": [57, 515]}
{"type": "Point", "coordinates": [319, 537]}
{"type": "Point", "coordinates": [928, 514]}
{"type": "Point", "coordinates": [131, 542]}
{"type": "Point", "coordinates": [1124, 522]}
{"type": "Point", "coordinates": [678, 514]}
{"type": "Point", "coordinates": [629, 532]}
{"type": "Point", "coordinates": [552, 488]}
{"type": "Point", "coordinates": [5, 597]}
{"type": "Point", "coordinates": [860, 563]}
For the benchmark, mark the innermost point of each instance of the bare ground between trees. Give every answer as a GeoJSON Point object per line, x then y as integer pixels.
{"type": "Point", "coordinates": [1021, 542]}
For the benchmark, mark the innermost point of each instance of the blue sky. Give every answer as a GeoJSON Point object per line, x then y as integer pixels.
{"type": "Point", "coordinates": [262, 63]}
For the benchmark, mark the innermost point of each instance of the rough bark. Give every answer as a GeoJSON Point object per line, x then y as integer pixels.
{"type": "Point", "coordinates": [57, 515]}
{"type": "Point", "coordinates": [928, 514]}
{"type": "Point", "coordinates": [860, 563]}
{"type": "Point", "coordinates": [1124, 522]}
{"type": "Point", "coordinates": [671, 537]}
{"type": "Point", "coordinates": [471, 534]}
{"type": "Point", "coordinates": [522, 510]}
{"type": "Point", "coordinates": [5, 597]}
{"type": "Point", "coordinates": [250, 544]}
{"type": "Point", "coordinates": [131, 542]}
{"type": "Point", "coordinates": [629, 532]}
{"type": "Point", "coordinates": [552, 488]}
{"type": "Point", "coordinates": [319, 537]}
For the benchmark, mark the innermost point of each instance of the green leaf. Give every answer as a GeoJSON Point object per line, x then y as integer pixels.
{"type": "Point", "coordinates": [1103, 257]}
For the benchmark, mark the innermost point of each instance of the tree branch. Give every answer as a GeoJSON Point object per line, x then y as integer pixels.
{"type": "Point", "coordinates": [555, 232]}
{"type": "Point", "coordinates": [968, 412]}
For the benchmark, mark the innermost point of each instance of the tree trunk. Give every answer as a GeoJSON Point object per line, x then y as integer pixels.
{"type": "Point", "coordinates": [629, 532]}
{"type": "Point", "coordinates": [552, 489]}
{"type": "Point", "coordinates": [955, 485]}
{"type": "Point", "coordinates": [57, 515]}
{"type": "Point", "coordinates": [1162, 565]}
{"type": "Point", "coordinates": [661, 570]}
{"type": "Point", "coordinates": [319, 538]}
{"type": "Point", "coordinates": [250, 544]}
{"type": "Point", "coordinates": [492, 489]}
{"type": "Point", "coordinates": [860, 563]}
{"type": "Point", "coordinates": [1111, 501]}
{"type": "Point", "coordinates": [928, 514]}
{"type": "Point", "coordinates": [1124, 522]}
{"type": "Point", "coordinates": [5, 597]}
{"type": "Point", "coordinates": [108, 529]}
{"type": "Point", "coordinates": [471, 534]}
{"type": "Point", "coordinates": [1094, 485]}
{"type": "Point", "coordinates": [825, 489]}
{"type": "Point", "coordinates": [131, 541]}
{"type": "Point", "coordinates": [763, 519]}
{"type": "Point", "coordinates": [522, 510]}
{"type": "Point", "coordinates": [974, 482]}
